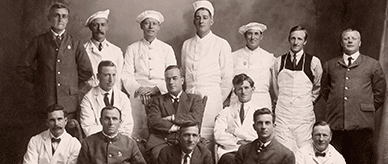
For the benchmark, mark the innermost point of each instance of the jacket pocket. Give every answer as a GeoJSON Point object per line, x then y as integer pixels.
{"type": "Point", "coordinates": [367, 107]}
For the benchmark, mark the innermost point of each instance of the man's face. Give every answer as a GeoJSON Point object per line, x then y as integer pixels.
{"type": "Point", "coordinates": [203, 21]}
{"type": "Point", "coordinates": [174, 81]}
{"type": "Point", "coordinates": [107, 77]}
{"type": "Point", "coordinates": [244, 91]}
{"type": "Point", "coordinates": [264, 127]}
{"type": "Point", "coordinates": [321, 137]}
{"type": "Point", "coordinates": [252, 38]}
{"type": "Point", "coordinates": [297, 41]}
{"type": "Point", "coordinates": [189, 138]}
{"type": "Point", "coordinates": [110, 121]}
{"type": "Point", "coordinates": [99, 27]}
{"type": "Point", "coordinates": [150, 27]}
{"type": "Point", "coordinates": [350, 42]}
{"type": "Point", "coordinates": [56, 121]}
{"type": "Point", "coordinates": [58, 19]}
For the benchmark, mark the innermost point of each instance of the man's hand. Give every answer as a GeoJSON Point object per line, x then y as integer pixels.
{"type": "Point", "coordinates": [169, 118]}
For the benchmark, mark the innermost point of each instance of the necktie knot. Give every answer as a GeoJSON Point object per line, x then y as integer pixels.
{"type": "Point", "coordinates": [55, 140]}
{"type": "Point", "coordinates": [106, 99]}
{"type": "Point", "coordinates": [261, 147]}
{"type": "Point", "coordinates": [349, 61]}
{"type": "Point", "coordinates": [186, 159]}
{"type": "Point", "coordinates": [175, 103]}
{"type": "Point", "coordinates": [319, 154]}
{"type": "Point", "coordinates": [100, 47]}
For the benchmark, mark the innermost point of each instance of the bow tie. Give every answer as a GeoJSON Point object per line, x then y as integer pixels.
{"type": "Point", "coordinates": [320, 154]}
{"type": "Point", "coordinates": [53, 140]}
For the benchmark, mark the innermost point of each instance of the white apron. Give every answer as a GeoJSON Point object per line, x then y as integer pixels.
{"type": "Point", "coordinates": [294, 110]}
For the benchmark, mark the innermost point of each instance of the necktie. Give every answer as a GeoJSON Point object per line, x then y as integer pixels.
{"type": "Point", "coordinates": [349, 61]}
{"type": "Point", "coordinates": [100, 47]}
{"type": "Point", "coordinates": [58, 40]}
{"type": "Point", "coordinates": [242, 112]}
{"type": "Point", "coordinates": [294, 61]}
{"type": "Point", "coordinates": [261, 147]}
{"type": "Point", "coordinates": [186, 159]}
{"type": "Point", "coordinates": [106, 99]}
{"type": "Point", "coordinates": [53, 140]}
{"type": "Point", "coordinates": [320, 154]}
{"type": "Point", "coordinates": [175, 103]}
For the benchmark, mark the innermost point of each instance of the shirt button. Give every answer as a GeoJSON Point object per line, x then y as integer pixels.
{"type": "Point", "coordinates": [110, 155]}
{"type": "Point", "coordinates": [345, 98]}
{"type": "Point", "coordinates": [346, 88]}
{"type": "Point", "coordinates": [165, 139]}
{"type": "Point", "coordinates": [59, 84]}
{"type": "Point", "coordinates": [59, 73]}
{"type": "Point", "coordinates": [149, 58]}
{"type": "Point", "coordinates": [110, 142]}
{"type": "Point", "coordinates": [56, 49]}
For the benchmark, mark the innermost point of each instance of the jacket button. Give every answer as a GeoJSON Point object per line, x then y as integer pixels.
{"type": "Point", "coordinates": [165, 139]}
{"type": "Point", "coordinates": [345, 98]}
{"type": "Point", "coordinates": [110, 155]}
{"type": "Point", "coordinates": [59, 84]}
{"type": "Point", "coordinates": [59, 73]}
{"type": "Point", "coordinates": [59, 60]}
{"type": "Point", "coordinates": [346, 88]}
{"type": "Point", "coordinates": [347, 78]}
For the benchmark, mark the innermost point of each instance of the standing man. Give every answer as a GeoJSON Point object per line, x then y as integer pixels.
{"type": "Point", "coordinates": [298, 79]}
{"type": "Point", "coordinates": [169, 111]}
{"type": "Point", "coordinates": [145, 61]}
{"type": "Point", "coordinates": [54, 145]}
{"type": "Point", "coordinates": [353, 86]}
{"type": "Point", "coordinates": [265, 149]}
{"type": "Point", "coordinates": [257, 63]}
{"type": "Point", "coordinates": [98, 48]}
{"type": "Point", "coordinates": [188, 150]}
{"type": "Point", "coordinates": [62, 65]}
{"type": "Point", "coordinates": [109, 146]}
{"type": "Point", "coordinates": [320, 151]}
{"type": "Point", "coordinates": [208, 66]}
{"type": "Point", "coordinates": [233, 126]}
{"type": "Point", "coordinates": [105, 94]}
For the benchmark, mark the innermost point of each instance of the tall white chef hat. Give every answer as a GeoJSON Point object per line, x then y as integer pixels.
{"type": "Point", "coordinates": [150, 14]}
{"type": "Point", "coordinates": [203, 4]}
{"type": "Point", "coordinates": [252, 25]}
{"type": "Point", "coordinates": [98, 14]}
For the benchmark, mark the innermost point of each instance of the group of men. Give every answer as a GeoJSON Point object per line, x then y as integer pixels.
{"type": "Point", "coordinates": [250, 84]}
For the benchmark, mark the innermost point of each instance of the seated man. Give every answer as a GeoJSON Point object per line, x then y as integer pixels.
{"type": "Point", "coordinates": [108, 145]}
{"type": "Point", "coordinates": [188, 150]}
{"type": "Point", "coordinates": [54, 145]}
{"type": "Point", "coordinates": [233, 126]}
{"type": "Point", "coordinates": [105, 94]}
{"type": "Point", "coordinates": [320, 151]}
{"type": "Point", "coordinates": [169, 111]}
{"type": "Point", "coordinates": [265, 149]}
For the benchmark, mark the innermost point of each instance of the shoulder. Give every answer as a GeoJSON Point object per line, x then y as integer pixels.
{"type": "Point", "coordinates": [281, 148]}
{"type": "Point", "coordinates": [162, 43]}
{"type": "Point", "coordinates": [203, 150]}
{"type": "Point", "coordinates": [92, 92]}
{"type": "Point", "coordinates": [368, 59]}
{"type": "Point", "coordinates": [94, 138]}
{"type": "Point", "coordinates": [134, 44]}
{"type": "Point", "coordinates": [192, 96]}
{"type": "Point", "coordinates": [40, 136]}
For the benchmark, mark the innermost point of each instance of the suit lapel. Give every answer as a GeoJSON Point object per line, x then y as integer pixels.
{"type": "Point", "coordinates": [176, 153]}
{"type": "Point", "coordinates": [183, 101]}
{"type": "Point", "coordinates": [47, 143]}
{"type": "Point", "coordinates": [99, 99]}
{"type": "Point", "coordinates": [167, 103]}
{"type": "Point", "coordinates": [196, 157]}
{"type": "Point", "coordinates": [357, 61]}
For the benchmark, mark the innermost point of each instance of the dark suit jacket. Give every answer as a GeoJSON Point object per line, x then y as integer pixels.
{"type": "Point", "coordinates": [190, 108]}
{"type": "Point", "coordinates": [58, 72]}
{"type": "Point", "coordinates": [173, 155]}
{"type": "Point", "coordinates": [353, 94]}
{"type": "Point", "coordinates": [274, 153]}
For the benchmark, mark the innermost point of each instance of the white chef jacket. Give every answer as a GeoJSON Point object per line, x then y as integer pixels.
{"type": "Point", "coordinates": [259, 65]}
{"type": "Point", "coordinates": [208, 67]}
{"type": "Point", "coordinates": [109, 52]}
{"type": "Point", "coordinates": [306, 155]}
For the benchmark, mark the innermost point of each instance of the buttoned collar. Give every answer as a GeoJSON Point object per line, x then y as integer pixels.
{"type": "Point", "coordinates": [152, 44]}
{"type": "Point", "coordinates": [176, 97]}
{"type": "Point", "coordinates": [112, 137]}
{"type": "Point", "coordinates": [354, 56]}
{"type": "Point", "coordinates": [56, 34]}
{"type": "Point", "coordinates": [190, 154]}
{"type": "Point", "coordinates": [249, 50]}
{"type": "Point", "coordinates": [205, 38]}
{"type": "Point", "coordinates": [265, 144]}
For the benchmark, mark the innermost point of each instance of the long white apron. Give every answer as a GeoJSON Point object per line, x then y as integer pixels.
{"type": "Point", "coordinates": [294, 110]}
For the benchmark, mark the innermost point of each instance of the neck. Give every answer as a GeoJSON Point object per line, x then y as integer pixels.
{"type": "Point", "coordinates": [106, 89]}
{"type": "Point", "coordinates": [265, 140]}
{"type": "Point", "coordinates": [252, 48]}
{"type": "Point", "coordinates": [98, 39]}
{"type": "Point", "coordinates": [57, 31]}
{"type": "Point", "coordinates": [202, 34]}
{"type": "Point", "coordinates": [149, 38]}
{"type": "Point", "coordinates": [350, 53]}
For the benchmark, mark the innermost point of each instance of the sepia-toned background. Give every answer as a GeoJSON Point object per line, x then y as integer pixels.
{"type": "Point", "coordinates": [324, 20]}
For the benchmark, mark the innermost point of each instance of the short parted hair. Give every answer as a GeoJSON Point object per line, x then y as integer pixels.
{"type": "Point", "coordinates": [56, 107]}
{"type": "Point", "coordinates": [240, 78]}
{"type": "Point", "coordinates": [173, 67]}
{"type": "Point", "coordinates": [105, 63]}
{"type": "Point", "coordinates": [263, 111]}
{"type": "Point", "coordinates": [203, 8]}
{"type": "Point", "coordinates": [58, 6]}
{"type": "Point", "coordinates": [110, 107]}
{"type": "Point", "coordinates": [350, 30]}
{"type": "Point", "coordinates": [320, 123]}
{"type": "Point", "coordinates": [188, 124]}
{"type": "Point", "coordinates": [298, 28]}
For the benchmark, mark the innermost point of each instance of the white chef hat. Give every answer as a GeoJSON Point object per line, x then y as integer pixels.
{"type": "Point", "coordinates": [252, 25]}
{"type": "Point", "coordinates": [150, 14]}
{"type": "Point", "coordinates": [98, 14]}
{"type": "Point", "coordinates": [203, 4]}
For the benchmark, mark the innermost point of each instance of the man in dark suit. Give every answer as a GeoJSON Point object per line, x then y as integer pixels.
{"type": "Point", "coordinates": [353, 86]}
{"type": "Point", "coordinates": [188, 151]}
{"type": "Point", "coordinates": [265, 149]}
{"type": "Point", "coordinates": [56, 63]}
{"type": "Point", "coordinates": [169, 111]}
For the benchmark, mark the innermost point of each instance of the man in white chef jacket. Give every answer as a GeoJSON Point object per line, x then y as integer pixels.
{"type": "Point", "coordinates": [298, 76]}
{"type": "Point", "coordinates": [257, 63]}
{"type": "Point", "coordinates": [143, 71]}
{"type": "Point", "coordinates": [208, 66]}
{"type": "Point", "coordinates": [99, 48]}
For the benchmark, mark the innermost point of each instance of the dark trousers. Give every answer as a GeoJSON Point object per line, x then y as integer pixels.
{"type": "Point", "coordinates": [227, 158]}
{"type": "Point", "coordinates": [356, 146]}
